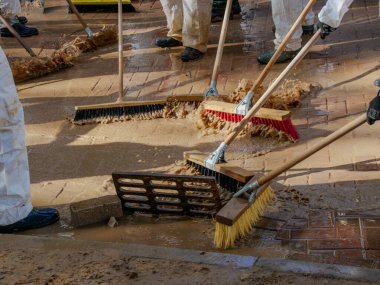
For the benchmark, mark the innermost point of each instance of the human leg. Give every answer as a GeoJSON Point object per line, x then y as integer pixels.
{"type": "Point", "coordinates": [196, 26]}
{"type": "Point", "coordinates": [173, 10]}
{"type": "Point", "coordinates": [284, 13]}
{"type": "Point", "coordinates": [15, 205]}
{"type": "Point", "coordinates": [9, 10]}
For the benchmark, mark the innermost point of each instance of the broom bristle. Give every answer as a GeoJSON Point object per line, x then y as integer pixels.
{"type": "Point", "coordinates": [225, 236]}
{"type": "Point", "coordinates": [285, 126]}
{"type": "Point", "coordinates": [116, 113]}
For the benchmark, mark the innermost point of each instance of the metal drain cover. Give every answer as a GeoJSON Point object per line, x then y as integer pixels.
{"type": "Point", "coordinates": [165, 193]}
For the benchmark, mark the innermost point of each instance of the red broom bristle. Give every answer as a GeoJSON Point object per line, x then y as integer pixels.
{"type": "Point", "coordinates": [285, 126]}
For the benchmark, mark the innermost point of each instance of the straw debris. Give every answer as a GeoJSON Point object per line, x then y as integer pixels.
{"type": "Point", "coordinates": [288, 96]}
{"type": "Point", "coordinates": [63, 57]}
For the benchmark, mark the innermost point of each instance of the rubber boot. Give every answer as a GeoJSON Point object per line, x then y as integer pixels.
{"type": "Point", "coordinates": [191, 54]}
{"type": "Point", "coordinates": [37, 218]}
{"type": "Point", "coordinates": [285, 56]}
{"type": "Point", "coordinates": [21, 29]}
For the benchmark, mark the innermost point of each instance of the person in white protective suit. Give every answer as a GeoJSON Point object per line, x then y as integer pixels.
{"type": "Point", "coordinates": [9, 9]}
{"type": "Point", "coordinates": [16, 210]}
{"type": "Point", "coordinates": [285, 14]}
{"type": "Point", "coordinates": [189, 24]}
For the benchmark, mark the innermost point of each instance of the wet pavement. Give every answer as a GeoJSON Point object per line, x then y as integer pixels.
{"type": "Point", "coordinates": [70, 163]}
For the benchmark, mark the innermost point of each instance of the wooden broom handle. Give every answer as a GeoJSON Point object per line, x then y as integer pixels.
{"type": "Point", "coordinates": [120, 48]}
{"type": "Point", "coordinates": [271, 89]}
{"type": "Point", "coordinates": [76, 12]}
{"type": "Point", "coordinates": [283, 44]}
{"type": "Point", "coordinates": [222, 40]}
{"type": "Point", "coordinates": [17, 36]}
{"type": "Point", "coordinates": [321, 144]}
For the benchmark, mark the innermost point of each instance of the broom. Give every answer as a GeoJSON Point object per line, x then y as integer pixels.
{"type": "Point", "coordinates": [217, 156]}
{"type": "Point", "coordinates": [239, 111]}
{"type": "Point", "coordinates": [35, 66]}
{"type": "Point", "coordinates": [105, 36]}
{"type": "Point", "coordinates": [239, 215]}
{"type": "Point", "coordinates": [212, 90]}
{"type": "Point", "coordinates": [123, 110]}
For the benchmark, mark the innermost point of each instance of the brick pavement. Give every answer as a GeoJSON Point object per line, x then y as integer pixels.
{"type": "Point", "coordinates": [329, 236]}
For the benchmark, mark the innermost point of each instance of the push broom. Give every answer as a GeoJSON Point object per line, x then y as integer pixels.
{"type": "Point", "coordinates": [123, 110]}
{"type": "Point", "coordinates": [105, 36]}
{"type": "Point", "coordinates": [241, 213]}
{"type": "Point", "coordinates": [217, 157]}
{"type": "Point", "coordinates": [273, 118]}
{"type": "Point", "coordinates": [212, 90]}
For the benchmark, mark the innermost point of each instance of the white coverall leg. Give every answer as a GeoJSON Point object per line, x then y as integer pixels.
{"type": "Point", "coordinates": [189, 21]}
{"type": "Point", "coordinates": [14, 170]}
{"type": "Point", "coordinates": [286, 12]}
{"type": "Point", "coordinates": [10, 9]}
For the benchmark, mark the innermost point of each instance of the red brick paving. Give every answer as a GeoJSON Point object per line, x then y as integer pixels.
{"type": "Point", "coordinates": [339, 238]}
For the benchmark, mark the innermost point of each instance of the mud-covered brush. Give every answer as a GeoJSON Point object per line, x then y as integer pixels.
{"type": "Point", "coordinates": [243, 211]}
{"type": "Point", "coordinates": [123, 110]}
{"type": "Point", "coordinates": [171, 107]}
{"type": "Point", "coordinates": [236, 112]}
{"type": "Point", "coordinates": [212, 89]}
{"type": "Point", "coordinates": [267, 121]}
{"type": "Point", "coordinates": [217, 157]}
{"type": "Point", "coordinates": [103, 37]}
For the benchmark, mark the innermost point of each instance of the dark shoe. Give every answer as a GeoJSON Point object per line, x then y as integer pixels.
{"type": "Point", "coordinates": [190, 54]}
{"type": "Point", "coordinates": [21, 29]}
{"type": "Point", "coordinates": [221, 5]}
{"type": "Point", "coordinates": [217, 15]}
{"type": "Point", "coordinates": [285, 56]}
{"type": "Point", "coordinates": [306, 30]}
{"type": "Point", "coordinates": [37, 218]}
{"type": "Point", "coordinates": [22, 20]}
{"type": "Point", "coordinates": [167, 42]}
{"type": "Point", "coordinates": [236, 9]}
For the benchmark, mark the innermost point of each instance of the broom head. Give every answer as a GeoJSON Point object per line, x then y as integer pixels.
{"type": "Point", "coordinates": [237, 218]}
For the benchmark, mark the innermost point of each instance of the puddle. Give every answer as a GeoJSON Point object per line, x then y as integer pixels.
{"type": "Point", "coordinates": [178, 232]}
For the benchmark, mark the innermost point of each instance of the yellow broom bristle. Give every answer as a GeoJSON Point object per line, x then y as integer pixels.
{"type": "Point", "coordinates": [225, 236]}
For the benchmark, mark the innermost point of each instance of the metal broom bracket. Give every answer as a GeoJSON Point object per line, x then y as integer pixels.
{"type": "Point", "coordinates": [245, 104]}
{"type": "Point", "coordinates": [212, 90]}
{"type": "Point", "coordinates": [216, 157]}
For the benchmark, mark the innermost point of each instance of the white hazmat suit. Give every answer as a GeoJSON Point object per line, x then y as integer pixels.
{"type": "Point", "coordinates": [10, 9]}
{"type": "Point", "coordinates": [14, 170]}
{"type": "Point", "coordinates": [189, 21]}
{"type": "Point", "coordinates": [286, 12]}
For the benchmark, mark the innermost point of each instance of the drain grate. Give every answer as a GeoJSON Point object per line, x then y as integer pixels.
{"type": "Point", "coordinates": [164, 193]}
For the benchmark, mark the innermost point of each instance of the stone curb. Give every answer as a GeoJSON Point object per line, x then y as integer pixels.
{"type": "Point", "coordinates": [196, 256]}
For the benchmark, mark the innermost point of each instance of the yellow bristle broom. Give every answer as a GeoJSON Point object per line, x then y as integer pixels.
{"type": "Point", "coordinates": [243, 211]}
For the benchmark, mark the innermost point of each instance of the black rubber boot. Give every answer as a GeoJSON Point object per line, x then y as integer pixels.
{"type": "Point", "coordinates": [22, 20]}
{"type": "Point", "coordinates": [218, 8]}
{"type": "Point", "coordinates": [167, 42]}
{"type": "Point", "coordinates": [306, 30]}
{"type": "Point", "coordinates": [190, 54]}
{"type": "Point", "coordinates": [37, 218]}
{"type": "Point", "coordinates": [21, 29]}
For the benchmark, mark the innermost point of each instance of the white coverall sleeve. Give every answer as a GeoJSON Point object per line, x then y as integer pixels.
{"type": "Point", "coordinates": [332, 13]}
{"type": "Point", "coordinates": [14, 170]}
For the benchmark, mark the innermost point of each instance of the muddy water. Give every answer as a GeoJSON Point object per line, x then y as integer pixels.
{"type": "Point", "coordinates": [166, 231]}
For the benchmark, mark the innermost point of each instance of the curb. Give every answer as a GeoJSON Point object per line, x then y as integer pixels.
{"type": "Point", "coordinates": [195, 256]}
